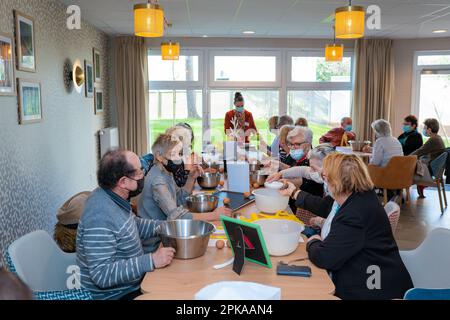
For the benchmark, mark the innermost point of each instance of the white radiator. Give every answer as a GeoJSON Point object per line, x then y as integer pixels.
{"type": "Point", "coordinates": [109, 139]}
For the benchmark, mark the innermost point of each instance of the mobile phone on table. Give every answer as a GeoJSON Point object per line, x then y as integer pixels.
{"type": "Point", "coordinates": [292, 270]}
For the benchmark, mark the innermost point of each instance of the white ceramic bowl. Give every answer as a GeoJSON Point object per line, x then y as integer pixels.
{"type": "Point", "coordinates": [276, 185]}
{"type": "Point", "coordinates": [270, 201]}
{"type": "Point", "coordinates": [281, 236]}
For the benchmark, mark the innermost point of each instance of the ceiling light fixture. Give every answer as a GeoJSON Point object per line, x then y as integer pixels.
{"type": "Point", "coordinates": [334, 52]}
{"type": "Point", "coordinates": [440, 31]}
{"type": "Point", "coordinates": [170, 50]}
{"type": "Point", "coordinates": [148, 20]}
{"type": "Point", "coordinates": [350, 21]}
{"type": "Point", "coordinates": [248, 32]}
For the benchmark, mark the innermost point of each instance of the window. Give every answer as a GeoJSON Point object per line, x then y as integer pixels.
{"type": "Point", "coordinates": [323, 109]}
{"type": "Point", "coordinates": [169, 107]}
{"type": "Point", "coordinates": [316, 69]}
{"type": "Point", "coordinates": [263, 104]}
{"type": "Point", "coordinates": [184, 69]}
{"type": "Point", "coordinates": [273, 82]}
{"type": "Point", "coordinates": [245, 68]}
{"type": "Point", "coordinates": [432, 88]}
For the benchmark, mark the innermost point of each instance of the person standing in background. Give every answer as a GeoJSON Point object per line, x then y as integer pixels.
{"type": "Point", "coordinates": [239, 122]}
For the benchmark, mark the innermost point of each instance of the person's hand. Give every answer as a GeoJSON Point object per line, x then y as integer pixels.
{"type": "Point", "coordinates": [274, 177]}
{"type": "Point", "coordinates": [220, 211]}
{"type": "Point", "coordinates": [196, 171]}
{"type": "Point", "coordinates": [288, 189]}
{"type": "Point", "coordinates": [367, 149]}
{"type": "Point", "coordinates": [163, 257]}
{"type": "Point", "coordinates": [316, 222]}
{"type": "Point", "coordinates": [314, 237]}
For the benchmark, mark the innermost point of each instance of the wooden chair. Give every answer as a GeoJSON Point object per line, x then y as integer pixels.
{"type": "Point", "coordinates": [397, 175]}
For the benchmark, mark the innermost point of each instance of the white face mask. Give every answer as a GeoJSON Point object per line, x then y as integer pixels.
{"type": "Point", "coordinates": [327, 189]}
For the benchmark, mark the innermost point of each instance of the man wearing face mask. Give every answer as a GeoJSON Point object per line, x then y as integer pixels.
{"type": "Point", "coordinates": [339, 137]}
{"type": "Point", "coordinates": [240, 119]}
{"type": "Point", "coordinates": [162, 198]}
{"type": "Point", "coordinates": [109, 238]}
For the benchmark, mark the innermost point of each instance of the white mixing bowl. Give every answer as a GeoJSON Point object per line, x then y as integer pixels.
{"type": "Point", "coordinates": [270, 201]}
{"type": "Point", "coordinates": [281, 236]}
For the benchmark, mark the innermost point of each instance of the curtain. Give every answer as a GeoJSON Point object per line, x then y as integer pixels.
{"type": "Point", "coordinates": [374, 85]}
{"type": "Point", "coordinates": [132, 93]}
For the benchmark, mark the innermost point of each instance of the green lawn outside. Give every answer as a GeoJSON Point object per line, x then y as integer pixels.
{"type": "Point", "coordinates": [160, 126]}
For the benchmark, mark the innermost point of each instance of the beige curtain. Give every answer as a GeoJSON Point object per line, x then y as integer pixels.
{"type": "Point", "coordinates": [132, 93]}
{"type": "Point", "coordinates": [374, 85]}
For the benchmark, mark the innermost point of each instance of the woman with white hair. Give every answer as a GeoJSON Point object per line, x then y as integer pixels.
{"type": "Point", "coordinates": [385, 146]}
{"type": "Point", "coordinates": [162, 199]}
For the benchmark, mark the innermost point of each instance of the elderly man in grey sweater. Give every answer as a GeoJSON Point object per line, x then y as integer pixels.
{"type": "Point", "coordinates": [109, 239]}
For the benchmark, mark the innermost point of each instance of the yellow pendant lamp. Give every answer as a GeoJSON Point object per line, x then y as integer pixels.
{"type": "Point", "coordinates": [350, 22]}
{"type": "Point", "coordinates": [170, 50]}
{"type": "Point", "coordinates": [334, 52]}
{"type": "Point", "coordinates": [148, 20]}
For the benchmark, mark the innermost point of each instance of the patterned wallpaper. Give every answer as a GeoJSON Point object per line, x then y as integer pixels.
{"type": "Point", "coordinates": [43, 164]}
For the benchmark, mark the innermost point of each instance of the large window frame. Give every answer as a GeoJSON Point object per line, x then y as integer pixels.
{"type": "Point", "coordinates": [425, 69]}
{"type": "Point", "coordinates": [283, 84]}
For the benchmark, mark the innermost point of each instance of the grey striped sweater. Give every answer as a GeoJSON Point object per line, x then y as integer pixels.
{"type": "Point", "coordinates": [109, 249]}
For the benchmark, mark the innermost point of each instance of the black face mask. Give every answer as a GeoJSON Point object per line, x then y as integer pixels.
{"type": "Point", "coordinates": [172, 167]}
{"type": "Point", "coordinates": [140, 187]}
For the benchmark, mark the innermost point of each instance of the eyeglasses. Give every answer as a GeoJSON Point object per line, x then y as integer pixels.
{"type": "Point", "coordinates": [296, 145]}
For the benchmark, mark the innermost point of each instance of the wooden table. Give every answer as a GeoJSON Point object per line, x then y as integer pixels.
{"type": "Point", "coordinates": [183, 278]}
{"type": "Point", "coordinates": [349, 150]}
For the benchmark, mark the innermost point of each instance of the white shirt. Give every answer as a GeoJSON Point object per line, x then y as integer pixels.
{"type": "Point", "coordinates": [327, 224]}
{"type": "Point", "coordinates": [384, 149]}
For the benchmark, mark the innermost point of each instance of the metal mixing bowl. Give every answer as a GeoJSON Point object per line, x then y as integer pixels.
{"type": "Point", "coordinates": [210, 165]}
{"type": "Point", "coordinates": [188, 237]}
{"type": "Point", "coordinates": [358, 145]}
{"type": "Point", "coordinates": [258, 177]}
{"type": "Point", "coordinates": [254, 166]}
{"type": "Point", "coordinates": [209, 180]}
{"type": "Point", "coordinates": [202, 203]}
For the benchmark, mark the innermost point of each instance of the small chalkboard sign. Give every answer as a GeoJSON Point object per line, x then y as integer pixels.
{"type": "Point", "coordinates": [247, 243]}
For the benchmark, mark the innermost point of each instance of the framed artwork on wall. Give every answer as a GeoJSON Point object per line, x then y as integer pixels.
{"type": "Point", "coordinates": [7, 81]}
{"type": "Point", "coordinates": [25, 45]}
{"type": "Point", "coordinates": [30, 101]}
{"type": "Point", "coordinates": [89, 83]}
{"type": "Point", "coordinates": [98, 101]}
{"type": "Point", "coordinates": [97, 65]}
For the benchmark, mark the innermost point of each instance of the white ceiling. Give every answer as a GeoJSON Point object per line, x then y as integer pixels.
{"type": "Point", "coordinates": [269, 18]}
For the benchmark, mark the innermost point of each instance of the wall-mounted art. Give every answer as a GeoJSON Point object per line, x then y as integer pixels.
{"type": "Point", "coordinates": [25, 45]}
{"type": "Point", "coordinates": [89, 79]}
{"type": "Point", "coordinates": [30, 103]}
{"type": "Point", "coordinates": [98, 100]}
{"type": "Point", "coordinates": [97, 65]}
{"type": "Point", "coordinates": [7, 85]}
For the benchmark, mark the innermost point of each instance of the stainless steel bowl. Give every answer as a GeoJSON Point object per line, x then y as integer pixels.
{"type": "Point", "coordinates": [188, 237]}
{"type": "Point", "coordinates": [209, 180]}
{"type": "Point", "coordinates": [358, 145]}
{"type": "Point", "coordinates": [202, 203]}
{"type": "Point", "coordinates": [210, 165]}
{"type": "Point", "coordinates": [258, 177]}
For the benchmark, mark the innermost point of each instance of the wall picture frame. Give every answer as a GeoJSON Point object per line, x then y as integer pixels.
{"type": "Point", "coordinates": [97, 58]}
{"type": "Point", "coordinates": [25, 42]}
{"type": "Point", "coordinates": [89, 76]}
{"type": "Point", "coordinates": [7, 66]}
{"type": "Point", "coordinates": [98, 101]}
{"type": "Point", "coordinates": [29, 101]}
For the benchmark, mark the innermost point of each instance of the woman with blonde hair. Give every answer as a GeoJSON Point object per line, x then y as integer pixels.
{"type": "Point", "coordinates": [360, 240]}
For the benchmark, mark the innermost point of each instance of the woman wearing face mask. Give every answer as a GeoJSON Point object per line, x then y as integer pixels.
{"type": "Point", "coordinates": [410, 139]}
{"type": "Point", "coordinates": [359, 236]}
{"type": "Point", "coordinates": [161, 198]}
{"type": "Point", "coordinates": [432, 149]}
{"type": "Point", "coordinates": [241, 118]}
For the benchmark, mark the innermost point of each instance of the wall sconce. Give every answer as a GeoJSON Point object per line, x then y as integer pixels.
{"type": "Point", "coordinates": [74, 76]}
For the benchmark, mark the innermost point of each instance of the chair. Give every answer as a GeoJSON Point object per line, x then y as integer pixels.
{"type": "Point", "coordinates": [429, 264]}
{"type": "Point", "coordinates": [397, 175]}
{"type": "Point", "coordinates": [393, 212]}
{"type": "Point", "coordinates": [437, 167]}
{"type": "Point", "coordinates": [43, 266]}
{"type": "Point", "coordinates": [427, 294]}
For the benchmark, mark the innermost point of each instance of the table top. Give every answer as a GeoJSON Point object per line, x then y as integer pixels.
{"type": "Point", "coordinates": [184, 278]}
{"type": "Point", "coordinates": [348, 150]}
